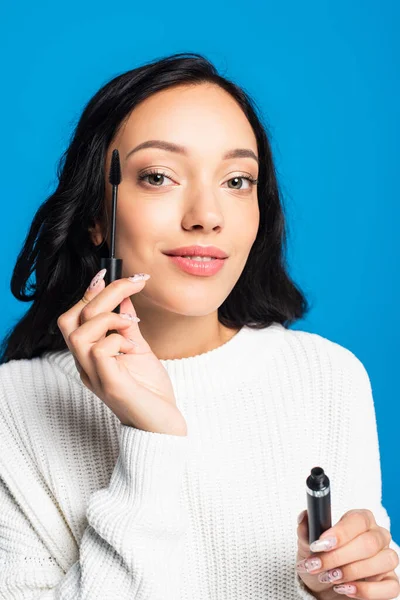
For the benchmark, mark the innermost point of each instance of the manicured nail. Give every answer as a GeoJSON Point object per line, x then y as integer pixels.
{"type": "Point", "coordinates": [98, 277]}
{"type": "Point", "coordinates": [324, 544]}
{"type": "Point", "coordinates": [133, 342]}
{"type": "Point", "coordinates": [301, 517]}
{"type": "Point", "coordinates": [139, 277]}
{"type": "Point", "coordinates": [309, 564]}
{"type": "Point", "coordinates": [328, 576]}
{"type": "Point", "coordinates": [129, 317]}
{"type": "Point", "coordinates": [345, 589]}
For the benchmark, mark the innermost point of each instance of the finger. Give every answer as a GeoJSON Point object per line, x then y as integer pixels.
{"type": "Point", "coordinates": [85, 309]}
{"type": "Point", "coordinates": [135, 408]}
{"type": "Point", "coordinates": [111, 297]}
{"type": "Point", "coordinates": [386, 589]}
{"type": "Point", "coordinates": [105, 356]}
{"type": "Point", "coordinates": [111, 369]}
{"type": "Point", "coordinates": [125, 347]}
{"type": "Point", "coordinates": [96, 300]}
{"type": "Point", "coordinates": [383, 562]}
{"type": "Point", "coordinates": [90, 333]}
{"type": "Point", "coordinates": [69, 320]}
{"type": "Point", "coordinates": [133, 331]}
{"type": "Point", "coordinates": [381, 576]}
{"type": "Point", "coordinates": [364, 546]}
{"type": "Point", "coordinates": [352, 524]}
{"type": "Point", "coordinates": [303, 536]}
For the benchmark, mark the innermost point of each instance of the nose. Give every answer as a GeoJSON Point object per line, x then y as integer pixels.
{"type": "Point", "coordinates": [203, 209]}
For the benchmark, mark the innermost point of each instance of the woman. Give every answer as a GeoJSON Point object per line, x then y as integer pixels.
{"type": "Point", "coordinates": [174, 466]}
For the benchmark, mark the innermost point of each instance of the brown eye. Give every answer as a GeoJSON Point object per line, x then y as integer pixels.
{"type": "Point", "coordinates": [238, 185]}
{"type": "Point", "coordinates": [158, 178]}
{"type": "Point", "coordinates": [236, 181]}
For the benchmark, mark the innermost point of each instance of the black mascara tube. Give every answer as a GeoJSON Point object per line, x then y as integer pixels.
{"type": "Point", "coordinates": [114, 269]}
{"type": "Point", "coordinates": [318, 503]}
{"type": "Point", "coordinates": [112, 264]}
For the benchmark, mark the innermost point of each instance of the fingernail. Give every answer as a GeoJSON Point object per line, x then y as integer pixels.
{"type": "Point", "coordinates": [129, 317]}
{"type": "Point", "coordinates": [133, 342]}
{"type": "Point", "coordinates": [328, 576]}
{"type": "Point", "coordinates": [301, 517]}
{"type": "Point", "coordinates": [98, 277]}
{"type": "Point", "coordinates": [139, 277]}
{"type": "Point", "coordinates": [345, 589]}
{"type": "Point", "coordinates": [324, 544]}
{"type": "Point", "coordinates": [308, 564]}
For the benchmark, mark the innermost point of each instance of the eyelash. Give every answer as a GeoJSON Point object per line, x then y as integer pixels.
{"type": "Point", "coordinates": [156, 172]}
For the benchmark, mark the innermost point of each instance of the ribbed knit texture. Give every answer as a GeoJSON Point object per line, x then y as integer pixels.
{"type": "Point", "coordinates": [94, 510]}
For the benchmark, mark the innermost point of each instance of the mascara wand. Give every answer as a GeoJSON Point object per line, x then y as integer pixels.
{"type": "Point", "coordinates": [112, 264]}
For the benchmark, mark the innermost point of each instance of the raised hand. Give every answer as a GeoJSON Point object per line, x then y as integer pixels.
{"type": "Point", "coordinates": [133, 384]}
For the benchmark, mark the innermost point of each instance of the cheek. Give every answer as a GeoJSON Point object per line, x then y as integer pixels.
{"type": "Point", "coordinates": [135, 217]}
{"type": "Point", "coordinates": [245, 225]}
{"type": "Point", "coordinates": [149, 222]}
{"type": "Point", "coordinates": [253, 224]}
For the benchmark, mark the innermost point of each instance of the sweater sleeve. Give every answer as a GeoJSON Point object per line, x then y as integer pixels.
{"type": "Point", "coordinates": [361, 468]}
{"type": "Point", "coordinates": [132, 545]}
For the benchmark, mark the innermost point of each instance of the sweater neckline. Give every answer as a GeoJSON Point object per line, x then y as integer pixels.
{"type": "Point", "coordinates": [234, 352]}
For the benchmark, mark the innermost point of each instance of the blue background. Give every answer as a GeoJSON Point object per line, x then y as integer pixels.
{"type": "Point", "coordinates": [324, 76]}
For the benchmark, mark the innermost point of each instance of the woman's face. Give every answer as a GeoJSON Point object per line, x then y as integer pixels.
{"type": "Point", "coordinates": [193, 201]}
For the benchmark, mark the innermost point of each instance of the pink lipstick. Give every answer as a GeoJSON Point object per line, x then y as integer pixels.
{"type": "Point", "coordinates": [198, 267]}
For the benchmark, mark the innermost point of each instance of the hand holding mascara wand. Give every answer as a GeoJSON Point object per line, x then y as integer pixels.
{"type": "Point", "coordinates": [132, 382]}
{"type": "Point", "coordinates": [112, 264]}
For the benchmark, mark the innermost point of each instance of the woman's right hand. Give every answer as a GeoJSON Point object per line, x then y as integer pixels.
{"type": "Point", "coordinates": [134, 385]}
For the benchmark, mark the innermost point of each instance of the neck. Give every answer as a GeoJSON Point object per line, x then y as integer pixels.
{"type": "Point", "coordinates": [182, 338]}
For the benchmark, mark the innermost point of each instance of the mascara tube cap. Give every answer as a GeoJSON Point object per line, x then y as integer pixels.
{"type": "Point", "coordinates": [318, 481]}
{"type": "Point", "coordinates": [114, 271]}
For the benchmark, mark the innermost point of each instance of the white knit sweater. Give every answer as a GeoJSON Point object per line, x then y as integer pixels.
{"type": "Point", "coordinates": [92, 509]}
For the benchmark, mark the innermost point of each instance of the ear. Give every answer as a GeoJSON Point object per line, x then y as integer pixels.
{"type": "Point", "coordinates": [96, 234]}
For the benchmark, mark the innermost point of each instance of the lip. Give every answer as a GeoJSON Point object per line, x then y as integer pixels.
{"type": "Point", "coordinates": [196, 250]}
{"type": "Point", "coordinates": [202, 269]}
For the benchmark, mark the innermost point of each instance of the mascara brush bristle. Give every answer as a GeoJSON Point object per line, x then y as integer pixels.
{"type": "Point", "coordinates": [115, 169]}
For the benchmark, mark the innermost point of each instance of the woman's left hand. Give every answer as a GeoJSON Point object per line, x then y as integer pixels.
{"type": "Point", "coordinates": [361, 559]}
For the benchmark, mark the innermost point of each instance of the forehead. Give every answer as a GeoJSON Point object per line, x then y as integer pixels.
{"type": "Point", "coordinates": [201, 117]}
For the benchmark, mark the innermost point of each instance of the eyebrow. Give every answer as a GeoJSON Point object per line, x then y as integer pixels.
{"type": "Point", "coordinates": [163, 145]}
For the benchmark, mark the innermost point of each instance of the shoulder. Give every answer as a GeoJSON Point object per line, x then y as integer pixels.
{"type": "Point", "coordinates": [27, 388]}
{"type": "Point", "coordinates": [14, 376]}
{"type": "Point", "coordinates": [17, 375]}
{"type": "Point", "coordinates": [332, 378]}
{"type": "Point", "coordinates": [326, 354]}
{"type": "Point", "coordinates": [20, 381]}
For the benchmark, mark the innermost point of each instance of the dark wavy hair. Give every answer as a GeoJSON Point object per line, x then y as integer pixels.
{"type": "Point", "coordinates": [59, 249]}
